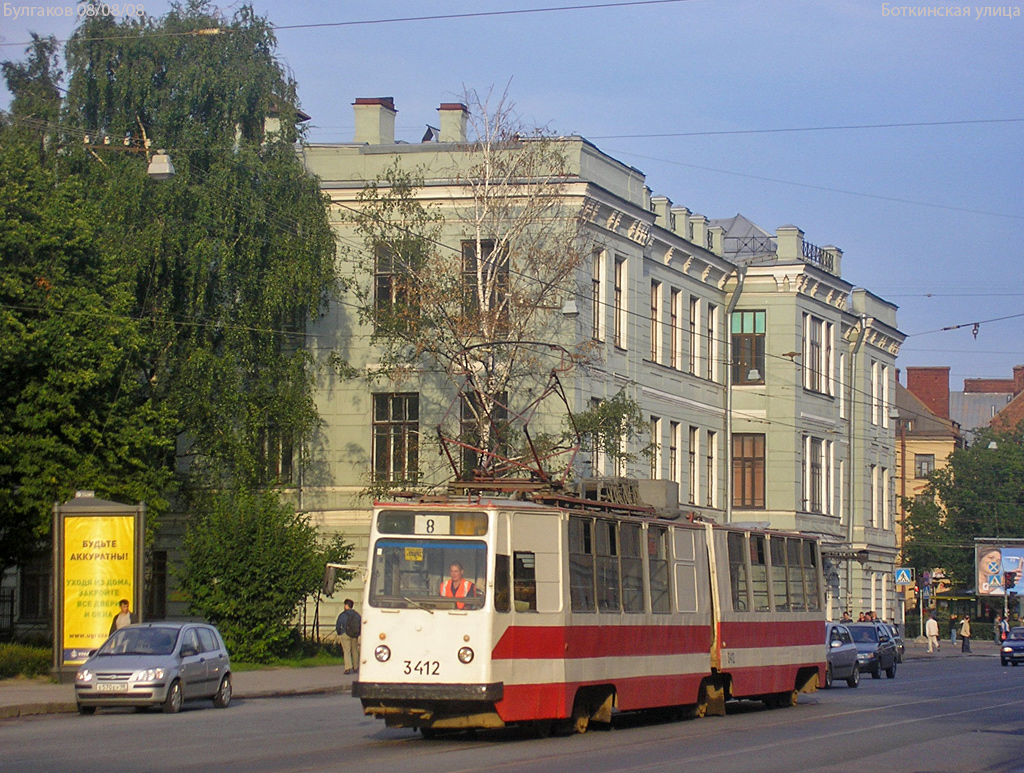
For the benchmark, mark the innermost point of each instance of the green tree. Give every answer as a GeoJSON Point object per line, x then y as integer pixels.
{"type": "Point", "coordinates": [72, 413]}
{"type": "Point", "coordinates": [979, 493]}
{"type": "Point", "coordinates": [250, 561]}
{"type": "Point", "coordinates": [229, 258]}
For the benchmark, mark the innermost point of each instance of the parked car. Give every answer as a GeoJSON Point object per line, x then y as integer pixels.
{"type": "Point", "coordinates": [876, 650]}
{"type": "Point", "coordinates": [1011, 651]}
{"type": "Point", "coordinates": [840, 655]}
{"type": "Point", "coordinates": [901, 647]}
{"type": "Point", "coordinates": [156, 664]}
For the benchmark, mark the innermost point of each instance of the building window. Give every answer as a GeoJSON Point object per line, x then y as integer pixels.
{"type": "Point", "coordinates": [748, 347]}
{"type": "Point", "coordinates": [924, 465]}
{"type": "Point", "coordinates": [34, 601]}
{"type": "Point", "coordinates": [655, 448]}
{"type": "Point", "coordinates": [694, 322]}
{"type": "Point", "coordinates": [876, 393]}
{"type": "Point", "coordinates": [396, 438]}
{"type": "Point", "coordinates": [712, 469]}
{"type": "Point", "coordinates": [886, 483]}
{"type": "Point", "coordinates": [748, 466]}
{"type": "Point", "coordinates": [842, 386]}
{"type": "Point", "coordinates": [692, 465]}
{"type": "Point", "coordinates": [816, 476]}
{"type": "Point", "coordinates": [485, 283]}
{"type": "Point", "coordinates": [278, 455]}
{"type": "Point", "coordinates": [656, 322]}
{"type": "Point", "coordinates": [475, 417]}
{"type": "Point", "coordinates": [673, 451]}
{"type": "Point", "coordinates": [874, 496]}
{"type": "Point", "coordinates": [156, 588]}
{"type": "Point", "coordinates": [817, 354]}
{"type": "Point", "coordinates": [675, 329]}
{"type": "Point", "coordinates": [619, 303]}
{"type": "Point", "coordinates": [712, 344]}
{"type": "Point", "coordinates": [597, 455]}
{"type": "Point", "coordinates": [394, 283]}
{"type": "Point", "coordinates": [596, 277]}
{"type": "Point", "coordinates": [884, 376]}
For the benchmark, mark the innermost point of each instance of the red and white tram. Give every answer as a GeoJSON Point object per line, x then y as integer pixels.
{"type": "Point", "coordinates": [575, 609]}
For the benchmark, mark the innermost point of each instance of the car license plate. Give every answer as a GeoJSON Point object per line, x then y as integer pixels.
{"type": "Point", "coordinates": [112, 687]}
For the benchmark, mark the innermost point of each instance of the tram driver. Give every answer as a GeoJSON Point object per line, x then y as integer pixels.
{"type": "Point", "coordinates": [457, 586]}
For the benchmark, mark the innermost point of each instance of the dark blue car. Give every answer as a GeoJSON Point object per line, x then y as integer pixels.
{"type": "Point", "coordinates": [1012, 650]}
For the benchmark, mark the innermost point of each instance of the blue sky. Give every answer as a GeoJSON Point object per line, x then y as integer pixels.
{"type": "Point", "coordinates": [928, 217]}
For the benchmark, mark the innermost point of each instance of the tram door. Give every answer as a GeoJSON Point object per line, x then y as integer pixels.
{"type": "Point", "coordinates": [536, 563]}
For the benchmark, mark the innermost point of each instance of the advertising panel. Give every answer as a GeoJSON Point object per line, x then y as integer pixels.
{"type": "Point", "coordinates": [998, 569]}
{"type": "Point", "coordinates": [99, 571]}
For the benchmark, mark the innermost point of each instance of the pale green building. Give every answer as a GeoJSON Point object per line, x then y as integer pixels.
{"type": "Point", "coordinates": [796, 432]}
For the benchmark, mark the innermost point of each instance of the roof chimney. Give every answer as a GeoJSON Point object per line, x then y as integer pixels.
{"type": "Point", "coordinates": [375, 120]}
{"type": "Point", "coordinates": [1018, 379]}
{"type": "Point", "coordinates": [453, 121]}
{"type": "Point", "coordinates": [930, 385]}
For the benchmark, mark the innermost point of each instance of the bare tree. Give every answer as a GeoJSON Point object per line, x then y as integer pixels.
{"type": "Point", "coordinates": [473, 283]}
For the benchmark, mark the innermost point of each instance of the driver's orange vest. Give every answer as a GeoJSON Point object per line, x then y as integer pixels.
{"type": "Point", "coordinates": [464, 588]}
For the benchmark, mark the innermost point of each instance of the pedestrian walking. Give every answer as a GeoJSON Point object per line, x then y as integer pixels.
{"type": "Point", "coordinates": [349, 627]}
{"type": "Point", "coordinates": [965, 634]}
{"type": "Point", "coordinates": [931, 630]}
{"type": "Point", "coordinates": [953, 623]}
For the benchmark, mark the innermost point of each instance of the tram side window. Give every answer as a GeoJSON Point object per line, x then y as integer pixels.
{"type": "Point", "coordinates": [607, 567]}
{"type": "Point", "coordinates": [780, 592]}
{"type": "Point", "coordinates": [797, 594]}
{"type": "Point", "coordinates": [524, 581]}
{"type": "Point", "coordinates": [759, 572]}
{"type": "Point", "coordinates": [502, 591]}
{"type": "Point", "coordinates": [581, 564]}
{"type": "Point", "coordinates": [738, 572]}
{"type": "Point", "coordinates": [657, 568]}
{"type": "Point", "coordinates": [810, 565]}
{"type": "Point", "coordinates": [630, 545]}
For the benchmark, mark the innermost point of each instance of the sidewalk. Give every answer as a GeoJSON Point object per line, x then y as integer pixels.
{"type": "Point", "coordinates": [918, 648]}
{"type": "Point", "coordinates": [25, 697]}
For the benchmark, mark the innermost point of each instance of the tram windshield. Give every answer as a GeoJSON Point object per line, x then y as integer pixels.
{"type": "Point", "coordinates": [428, 574]}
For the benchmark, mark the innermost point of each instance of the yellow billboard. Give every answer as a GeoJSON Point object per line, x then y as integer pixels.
{"type": "Point", "coordinates": [99, 571]}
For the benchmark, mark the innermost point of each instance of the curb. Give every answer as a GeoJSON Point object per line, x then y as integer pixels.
{"type": "Point", "coordinates": [36, 709]}
{"type": "Point", "coordinates": [15, 711]}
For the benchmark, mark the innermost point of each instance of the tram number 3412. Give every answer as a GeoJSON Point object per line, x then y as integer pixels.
{"type": "Point", "coordinates": [423, 667]}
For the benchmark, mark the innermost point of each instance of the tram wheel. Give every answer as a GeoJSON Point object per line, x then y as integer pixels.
{"type": "Point", "coordinates": [580, 722]}
{"type": "Point", "coordinates": [542, 728]}
{"type": "Point", "coordinates": [700, 708]}
{"type": "Point", "coordinates": [428, 733]}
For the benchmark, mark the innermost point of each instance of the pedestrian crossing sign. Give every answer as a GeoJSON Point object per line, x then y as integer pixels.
{"type": "Point", "coordinates": [904, 575]}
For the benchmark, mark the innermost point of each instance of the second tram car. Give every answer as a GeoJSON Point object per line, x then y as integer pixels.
{"type": "Point", "coordinates": [479, 613]}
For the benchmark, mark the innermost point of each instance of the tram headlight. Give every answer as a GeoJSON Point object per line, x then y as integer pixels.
{"type": "Point", "coordinates": [465, 655]}
{"type": "Point", "coordinates": [382, 653]}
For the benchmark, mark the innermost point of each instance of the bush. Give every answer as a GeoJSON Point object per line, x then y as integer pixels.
{"type": "Point", "coordinates": [250, 562]}
{"type": "Point", "coordinates": [17, 659]}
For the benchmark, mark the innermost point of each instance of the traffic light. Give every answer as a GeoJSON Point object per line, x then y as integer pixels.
{"type": "Point", "coordinates": [1009, 580]}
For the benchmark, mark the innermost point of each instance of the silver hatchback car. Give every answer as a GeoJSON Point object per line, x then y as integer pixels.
{"type": "Point", "coordinates": [156, 664]}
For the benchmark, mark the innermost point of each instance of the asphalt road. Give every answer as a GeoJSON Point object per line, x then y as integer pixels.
{"type": "Point", "coordinates": [950, 714]}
